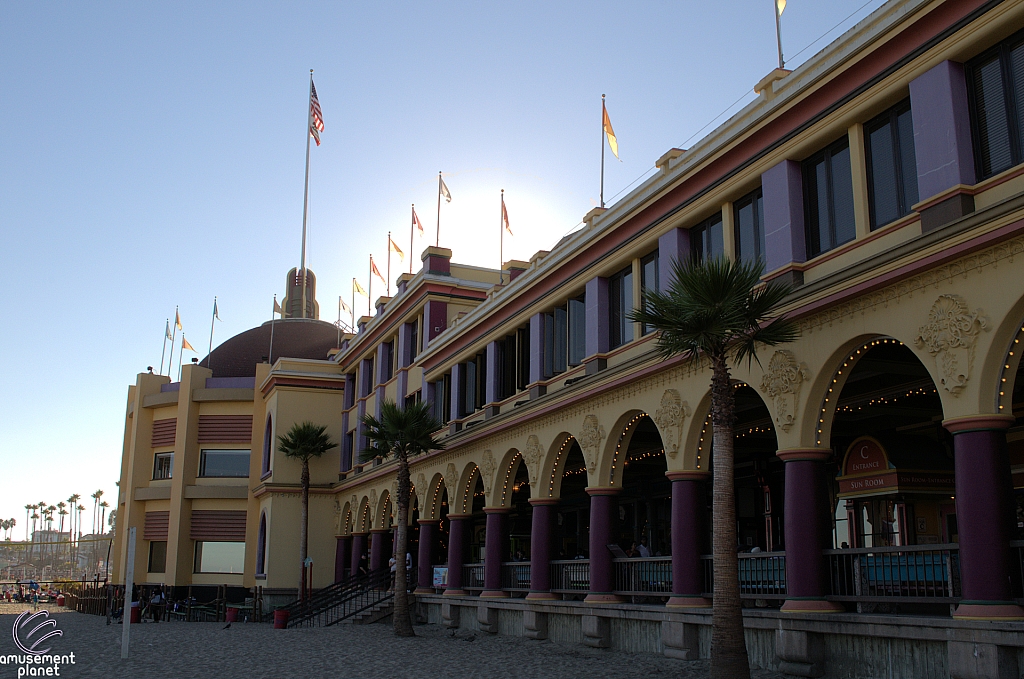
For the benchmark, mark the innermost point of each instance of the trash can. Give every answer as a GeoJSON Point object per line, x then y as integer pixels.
{"type": "Point", "coordinates": [281, 619]}
{"type": "Point", "coordinates": [231, 615]}
{"type": "Point", "coordinates": [60, 600]}
{"type": "Point", "coordinates": [136, 614]}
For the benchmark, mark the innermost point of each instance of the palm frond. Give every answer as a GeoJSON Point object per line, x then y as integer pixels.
{"type": "Point", "coordinates": [305, 441]}
{"type": "Point", "coordinates": [400, 431]}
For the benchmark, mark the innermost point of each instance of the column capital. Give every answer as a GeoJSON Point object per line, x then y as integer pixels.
{"type": "Point", "coordinates": [457, 517]}
{"type": "Point", "coordinates": [357, 533]}
{"type": "Point", "coordinates": [346, 536]}
{"type": "Point", "coordinates": [958, 425]}
{"type": "Point", "coordinates": [497, 510]}
{"type": "Point", "coordinates": [807, 454]}
{"type": "Point", "coordinates": [603, 491]}
{"type": "Point", "coordinates": [424, 522]}
{"type": "Point", "coordinates": [535, 501]}
{"type": "Point", "coordinates": [688, 475]}
{"type": "Point", "coordinates": [381, 530]}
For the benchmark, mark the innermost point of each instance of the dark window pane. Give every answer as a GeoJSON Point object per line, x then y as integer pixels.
{"type": "Point", "coordinates": [842, 197]}
{"type": "Point", "coordinates": [716, 239]}
{"type": "Point", "coordinates": [157, 556]}
{"type": "Point", "coordinates": [577, 330]}
{"type": "Point", "coordinates": [990, 109]}
{"type": "Point", "coordinates": [561, 339]}
{"type": "Point", "coordinates": [885, 204]}
{"type": "Point", "coordinates": [908, 160]}
{"type": "Point", "coordinates": [469, 387]}
{"type": "Point", "coordinates": [1017, 83]}
{"type": "Point", "coordinates": [745, 234]}
{"type": "Point", "coordinates": [549, 345]}
{"type": "Point", "coordinates": [759, 214]}
{"type": "Point", "coordinates": [823, 237]}
{"type": "Point", "coordinates": [627, 306]}
{"type": "Point", "coordinates": [224, 463]}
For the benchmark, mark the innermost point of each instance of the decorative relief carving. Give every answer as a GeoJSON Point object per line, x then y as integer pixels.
{"type": "Point", "coordinates": [669, 418]}
{"type": "Point", "coordinates": [949, 336]}
{"type": "Point", "coordinates": [451, 480]}
{"type": "Point", "coordinates": [782, 383]}
{"type": "Point", "coordinates": [532, 455]}
{"type": "Point", "coordinates": [420, 487]}
{"type": "Point", "coordinates": [590, 441]}
{"type": "Point", "coordinates": [337, 508]}
{"type": "Point", "coordinates": [487, 467]}
{"type": "Point", "coordinates": [373, 499]}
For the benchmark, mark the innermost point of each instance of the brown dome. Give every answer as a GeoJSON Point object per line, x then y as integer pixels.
{"type": "Point", "coordinates": [293, 338]}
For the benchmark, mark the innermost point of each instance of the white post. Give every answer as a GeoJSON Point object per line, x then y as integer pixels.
{"type": "Point", "coordinates": [129, 583]}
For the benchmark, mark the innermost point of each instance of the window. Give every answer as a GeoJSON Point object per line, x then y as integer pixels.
{"type": "Point", "coordinates": [268, 446]}
{"type": "Point", "coordinates": [648, 281]}
{"type": "Point", "coordinates": [443, 399]}
{"type": "Point", "coordinates": [828, 199]}
{"type": "Point", "coordinates": [749, 216]}
{"type": "Point", "coordinates": [163, 466]}
{"type": "Point", "coordinates": [414, 341]}
{"type": "Point", "coordinates": [892, 165]}
{"type": "Point", "coordinates": [387, 367]}
{"type": "Point", "coordinates": [350, 393]}
{"type": "Point", "coordinates": [514, 361]}
{"type": "Point", "coordinates": [347, 452]}
{"type": "Point", "coordinates": [224, 463]}
{"type": "Point", "coordinates": [157, 556]}
{"type": "Point", "coordinates": [261, 547]}
{"type": "Point", "coordinates": [620, 302]}
{"type": "Point", "coordinates": [565, 337]}
{"type": "Point", "coordinates": [995, 86]}
{"type": "Point", "coordinates": [707, 240]}
{"type": "Point", "coordinates": [367, 377]}
{"type": "Point", "coordinates": [474, 384]}
{"type": "Point", "coordinates": [412, 399]}
{"type": "Point", "coordinates": [577, 340]}
{"type": "Point", "coordinates": [220, 557]}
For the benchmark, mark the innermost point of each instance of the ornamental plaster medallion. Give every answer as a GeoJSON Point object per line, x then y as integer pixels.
{"type": "Point", "coordinates": [590, 441]}
{"type": "Point", "coordinates": [337, 508]}
{"type": "Point", "coordinates": [420, 488]}
{"type": "Point", "coordinates": [669, 418]}
{"type": "Point", "coordinates": [950, 336]}
{"type": "Point", "coordinates": [451, 480]}
{"type": "Point", "coordinates": [373, 499]}
{"type": "Point", "coordinates": [487, 467]}
{"type": "Point", "coordinates": [394, 492]}
{"type": "Point", "coordinates": [782, 383]}
{"type": "Point", "coordinates": [532, 455]}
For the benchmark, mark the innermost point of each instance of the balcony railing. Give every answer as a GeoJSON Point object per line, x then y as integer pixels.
{"type": "Point", "coordinates": [896, 574]}
{"type": "Point", "coordinates": [473, 577]}
{"type": "Point", "coordinates": [570, 577]}
{"type": "Point", "coordinates": [762, 575]}
{"type": "Point", "coordinates": [515, 576]}
{"type": "Point", "coordinates": [651, 575]}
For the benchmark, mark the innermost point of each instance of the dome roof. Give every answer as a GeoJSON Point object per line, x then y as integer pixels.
{"type": "Point", "coordinates": [293, 338]}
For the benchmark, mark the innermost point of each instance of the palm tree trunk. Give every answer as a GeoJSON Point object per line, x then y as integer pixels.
{"type": "Point", "coordinates": [401, 614]}
{"type": "Point", "coordinates": [304, 529]}
{"type": "Point", "coordinates": [728, 647]}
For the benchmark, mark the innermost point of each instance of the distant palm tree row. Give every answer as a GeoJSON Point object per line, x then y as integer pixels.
{"type": "Point", "coordinates": [41, 516]}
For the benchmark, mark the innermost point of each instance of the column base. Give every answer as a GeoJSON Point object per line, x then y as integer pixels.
{"type": "Point", "coordinates": [688, 602]}
{"type": "Point", "coordinates": [996, 610]}
{"type": "Point", "coordinates": [493, 594]}
{"type": "Point", "coordinates": [423, 590]}
{"type": "Point", "coordinates": [455, 592]}
{"type": "Point", "coordinates": [603, 599]}
{"type": "Point", "coordinates": [811, 606]}
{"type": "Point", "coordinates": [543, 596]}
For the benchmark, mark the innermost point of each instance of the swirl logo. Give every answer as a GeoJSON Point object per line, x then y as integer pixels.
{"type": "Point", "coordinates": [29, 632]}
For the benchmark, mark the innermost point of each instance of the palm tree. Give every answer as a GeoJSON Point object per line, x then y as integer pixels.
{"type": "Point", "coordinates": [303, 442]}
{"type": "Point", "coordinates": [402, 433]}
{"type": "Point", "coordinates": [103, 515]}
{"type": "Point", "coordinates": [28, 508]}
{"type": "Point", "coordinates": [720, 309]}
{"type": "Point", "coordinates": [96, 508]}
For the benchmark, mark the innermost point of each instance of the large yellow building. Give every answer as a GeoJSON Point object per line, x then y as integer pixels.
{"type": "Point", "coordinates": [877, 456]}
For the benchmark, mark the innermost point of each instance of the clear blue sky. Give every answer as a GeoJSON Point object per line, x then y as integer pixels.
{"type": "Point", "coordinates": [153, 156]}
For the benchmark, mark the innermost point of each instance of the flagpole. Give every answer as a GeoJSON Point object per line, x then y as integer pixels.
{"type": "Point", "coordinates": [174, 334]}
{"type": "Point", "coordinates": [412, 230]}
{"type": "Point", "coordinates": [273, 319]}
{"type": "Point", "coordinates": [213, 317]}
{"type": "Point", "coordinates": [163, 351]}
{"type": "Point", "coordinates": [339, 321]}
{"type": "Point", "coordinates": [778, 32]}
{"type": "Point", "coordinates": [353, 310]}
{"type": "Point", "coordinates": [501, 240]}
{"type": "Point", "coordinates": [602, 149]}
{"type": "Point", "coordinates": [369, 290]}
{"type": "Point", "coordinates": [389, 264]}
{"type": "Point", "coordinates": [437, 235]}
{"type": "Point", "coordinates": [305, 192]}
{"type": "Point", "coordinates": [181, 353]}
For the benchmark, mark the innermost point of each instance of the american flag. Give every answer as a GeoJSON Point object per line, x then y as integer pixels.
{"type": "Point", "coordinates": [316, 116]}
{"type": "Point", "coordinates": [504, 215]}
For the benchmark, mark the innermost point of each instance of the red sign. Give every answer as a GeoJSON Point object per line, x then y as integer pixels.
{"type": "Point", "coordinates": [865, 456]}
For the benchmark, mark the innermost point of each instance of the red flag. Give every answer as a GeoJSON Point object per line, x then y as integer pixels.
{"type": "Point", "coordinates": [416, 221]}
{"type": "Point", "coordinates": [504, 215]}
{"type": "Point", "coordinates": [376, 271]}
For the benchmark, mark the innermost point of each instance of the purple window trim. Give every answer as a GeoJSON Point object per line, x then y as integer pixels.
{"type": "Point", "coordinates": [171, 386]}
{"type": "Point", "coordinates": [268, 440]}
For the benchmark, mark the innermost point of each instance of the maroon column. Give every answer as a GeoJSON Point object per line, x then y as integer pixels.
{"type": "Point", "coordinates": [378, 559]}
{"type": "Point", "coordinates": [456, 553]}
{"type": "Point", "coordinates": [806, 513]}
{"type": "Point", "coordinates": [688, 524]}
{"type": "Point", "coordinates": [340, 554]}
{"type": "Point", "coordinates": [425, 572]}
{"type": "Point", "coordinates": [496, 545]}
{"type": "Point", "coordinates": [603, 517]}
{"type": "Point", "coordinates": [983, 516]}
{"type": "Point", "coordinates": [540, 548]}
{"type": "Point", "coordinates": [358, 549]}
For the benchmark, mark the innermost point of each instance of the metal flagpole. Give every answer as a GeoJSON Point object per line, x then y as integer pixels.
{"type": "Point", "coordinates": [369, 290]}
{"type": "Point", "coordinates": [273, 318]}
{"type": "Point", "coordinates": [353, 305]}
{"type": "Point", "coordinates": [339, 321]}
{"type": "Point", "coordinates": [501, 240]}
{"type": "Point", "coordinates": [305, 193]}
{"type": "Point", "coordinates": [181, 353]}
{"type": "Point", "coordinates": [163, 351]}
{"type": "Point", "coordinates": [437, 235]}
{"type": "Point", "coordinates": [174, 333]}
{"type": "Point", "coordinates": [412, 231]}
{"type": "Point", "coordinates": [209, 352]}
{"type": "Point", "coordinates": [778, 31]}
{"type": "Point", "coordinates": [389, 264]}
{"type": "Point", "coordinates": [602, 149]}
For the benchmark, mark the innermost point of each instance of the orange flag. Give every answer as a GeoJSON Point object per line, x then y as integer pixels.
{"type": "Point", "coordinates": [185, 344]}
{"type": "Point", "coordinates": [376, 271]}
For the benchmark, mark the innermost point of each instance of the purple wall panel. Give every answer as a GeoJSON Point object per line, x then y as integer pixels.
{"type": "Point", "coordinates": [942, 129]}
{"type": "Point", "coordinates": [597, 316]}
{"type": "Point", "coordinates": [782, 187]}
